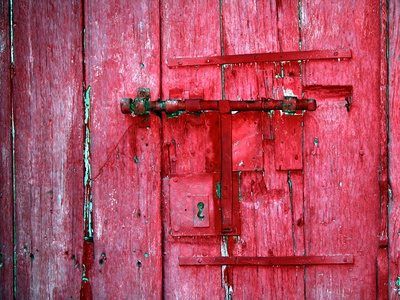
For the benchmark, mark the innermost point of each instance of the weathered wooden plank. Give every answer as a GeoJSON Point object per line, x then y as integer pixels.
{"type": "Point", "coordinates": [382, 261]}
{"type": "Point", "coordinates": [247, 142]}
{"type": "Point", "coordinates": [288, 134]}
{"type": "Point", "coordinates": [122, 54]}
{"type": "Point", "coordinates": [47, 97]}
{"type": "Point", "coordinates": [394, 149]}
{"type": "Point", "coordinates": [6, 157]}
{"type": "Point", "coordinates": [192, 142]}
{"type": "Point", "coordinates": [267, 206]}
{"type": "Point", "coordinates": [341, 163]}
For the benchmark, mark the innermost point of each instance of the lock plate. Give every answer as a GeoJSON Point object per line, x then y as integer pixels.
{"type": "Point", "coordinates": [193, 206]}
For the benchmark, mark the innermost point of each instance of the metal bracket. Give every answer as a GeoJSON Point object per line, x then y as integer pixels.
{"type": "Point", "coordinates": [259, 57]}
{"type": "Point", "coordinates": [345, 259]}
{"type": "Point", "coordinates": [141, 105]}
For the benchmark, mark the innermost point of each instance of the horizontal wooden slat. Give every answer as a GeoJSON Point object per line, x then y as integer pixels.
{"type": "Point", "coordinates": [259, 57]}
{"type": "Point", "coordinates": [268, 261]}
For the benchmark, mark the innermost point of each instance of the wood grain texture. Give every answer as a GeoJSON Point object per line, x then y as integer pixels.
{"type": "Point", "coordinates": [288, 142]}
{"type": "Point", "coordinates": [394, 149]}
{"type": "Point", "coordinates": [6, 196]}
{"type": "Point", "coordinates": [271, 201]}
{"type": "Point", "coordinates": [342, 155]}
{"type": "Point", "coordinates": [122, 54]}
{"type": "Point", "coordinates": [191, 142]}
{"type": "Point", "coordinates": [383, 174]}
{"type": "Point", "coordinates": [47, 96]}
{"type": "Point", "coordinates": [333, 202]}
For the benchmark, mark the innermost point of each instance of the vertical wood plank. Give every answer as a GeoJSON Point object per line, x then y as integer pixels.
{"type": "Point", "coordinates": [394, 149]}
{"type": "Point", "coordinates": [6, 157]}
{"type": "Point", "coordinates": [122, 54]}
{"type": "Point", "coordinates": [382, 273]}
{"type": "Point", "coordinates": [271, 201]}
{"type": "Point", "coordinates": [190, 30]}
{"type": "Point", "coordinates": [342, 155]}
{"type": "Point", "coordinates": [47, 96]}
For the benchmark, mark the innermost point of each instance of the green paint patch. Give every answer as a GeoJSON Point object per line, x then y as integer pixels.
{"type": "Point", "coordinates": [175, 114]}
{"type": "Point", "coordinates": [87, 180]}
{"type": "Point", "coordinates": [218, 190]}
{"type": "Point", "coordinates": [397, 283]}
{"type": "Point", "coordinates": [163, 105]}
{"type": "Point", "coordinates": [289, 112]}
{"type": "Point", "coordinates": [84, 277]}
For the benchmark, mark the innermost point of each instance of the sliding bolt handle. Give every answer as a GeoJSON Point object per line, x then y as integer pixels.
{"type": "Point", "coordinates": [141, 105]}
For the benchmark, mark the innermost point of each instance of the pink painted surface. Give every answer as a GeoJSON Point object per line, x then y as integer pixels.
{"type": "Point", "coordinates": [394, 149]}
{"type": "Point", "coordinates": [341, 147]}
{"type": "Point", "coordinates": [6, 189]}
{"type": "Point", "coordinates": [191, 144]}
{"type": "Point", "coordinates": [47, 97]}
{"type": "Point", "coordinates": [304, 184]}
{"type": "Point", "coordinates": [122, 54]}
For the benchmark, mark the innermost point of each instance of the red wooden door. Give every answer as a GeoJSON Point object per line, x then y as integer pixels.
{"type": "Point", "coordinates": [305, 184]}
{"type": "Point", "coordinates": [278, 204]}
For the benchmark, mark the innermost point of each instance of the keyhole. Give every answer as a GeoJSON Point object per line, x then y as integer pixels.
{"type": "Point", "coordinates": [200, 213]}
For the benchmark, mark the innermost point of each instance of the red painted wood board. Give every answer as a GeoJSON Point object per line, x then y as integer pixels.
{"type": "Point", "coordinates": [191, 144]}
{"type": "Point", "coordinates": [6, 186]}
{"type": "Point", "coordinates": [122, 54]}
{"type": "Point", "coordinates": [288, 142]}
{"type": "Point", "coordinates": [266, 208]}
{"type": "Point", "coordinates": [394, 149]}
{"type": "Point", "coordinates": [187, 217]}
{"type": "Point", "coordinates": [341, 162]}
{"type": "Point", "coordinates": [332, 203]}
{"type": "Point", "coordinates": [247, 140]}
{"type": "Point", "coordinates": [383, 175]}
{"type": "Point", "coordinates": [190, 30]}
{"type": "Point", "coordinates": [47, 97]}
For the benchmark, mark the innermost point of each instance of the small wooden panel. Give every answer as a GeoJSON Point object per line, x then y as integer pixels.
{"type": "Point", "coordinates": [288, 141]}
{"type": "Point", "coordinates": [247, 139]}
{"type": "Point", "coordinates": [191, 144]}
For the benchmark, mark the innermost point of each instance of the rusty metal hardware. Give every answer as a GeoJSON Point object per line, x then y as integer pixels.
{"type": "Point", "coordinates": [345, 259]}
{"type": "Point", "coordinates": [259, 57]}
{"type": "Point", "coordinates": [142, 105]}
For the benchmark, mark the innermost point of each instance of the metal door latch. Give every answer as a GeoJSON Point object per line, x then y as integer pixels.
{"type": "Point", "coordinates": [142, 105]}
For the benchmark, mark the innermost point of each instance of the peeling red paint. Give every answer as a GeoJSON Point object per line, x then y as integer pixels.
{"type": "Point", "coordinates": [305, 184]}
